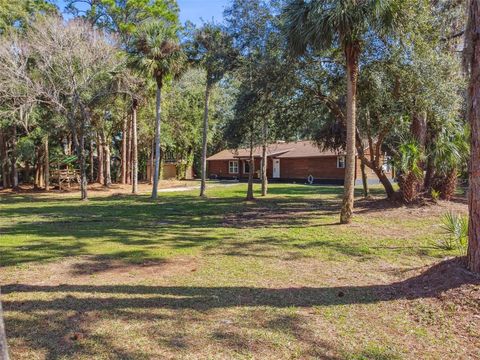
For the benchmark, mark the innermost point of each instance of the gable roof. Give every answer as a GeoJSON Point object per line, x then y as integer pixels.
{"type": "Point", "coordinates": [298, 149]}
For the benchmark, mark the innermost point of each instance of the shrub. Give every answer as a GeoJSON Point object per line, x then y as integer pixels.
{"type": "Point", "coordinates": [456, 229]}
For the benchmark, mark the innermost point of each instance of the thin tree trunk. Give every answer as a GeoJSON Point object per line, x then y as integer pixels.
{"type": "Point", "coordinates": [4, 161]}
{"type": "Point", "coordinates": [3, 337]}
{"type": "Point", "coordinates": [351, 54]}
{"type": "Point", "coordinates": [83, 170]}
{"type": "Point", "coordinates": [366, 190]}
{"type": "Point", "coordinates": [46, 164]}
{"type": "Point", "coordinates": [123, 178]}
{"type": "Point", "coordinates": [158, 109]}
{"type": "Point", "coordinates": [100, 175]}
{"type": "Point", "coordinates": [251, 163]}
{"type": "Point", "coordinates": [79, 143]}
{"type": "Point", "coordinates": [129, 151]}
{"type": "Point", "coordinates": [134, 149]}
{"type": "Point", "coordinates": [92, 163]}
{"type": "Point", "coordinates": [473, 252]}
{"type": "Point", "coordinates": [106, 158]}
{"type": "Point", "coordinates": [14, 158]}
{"type": "Point", "coordinates": [152, 160]}
{"type": "Point", "coordinates": [264, 159]}
{"type": "Point", "coordinates": [204, 142]}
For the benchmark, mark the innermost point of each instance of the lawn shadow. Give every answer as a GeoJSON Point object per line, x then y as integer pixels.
{"type": "Point", "coordinates": [104, 301]}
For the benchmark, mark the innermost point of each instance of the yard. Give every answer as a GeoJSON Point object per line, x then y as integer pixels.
{"type": "Point", "coordinates": [123, 277]}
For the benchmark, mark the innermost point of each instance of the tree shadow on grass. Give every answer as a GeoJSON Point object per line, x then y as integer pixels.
{"type": "Point", "coordinates": [77, 312]}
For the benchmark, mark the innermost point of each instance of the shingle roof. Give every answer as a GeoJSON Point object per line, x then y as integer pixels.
{"type": "Point", "coordinates": [298, 149]}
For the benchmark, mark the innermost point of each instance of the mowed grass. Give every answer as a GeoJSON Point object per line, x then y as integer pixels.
{"type": "Point", "coordinates": [124, 277]}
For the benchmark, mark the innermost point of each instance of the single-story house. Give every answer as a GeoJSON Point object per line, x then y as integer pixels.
{"type": "Point", "coordinates": [299, 161]}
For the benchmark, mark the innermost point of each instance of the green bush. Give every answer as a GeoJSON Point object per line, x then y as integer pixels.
{"type": "Point", "coordinates": [456, 229]}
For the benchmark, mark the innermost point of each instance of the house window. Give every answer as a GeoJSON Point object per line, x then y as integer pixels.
{"type": "Point", "coordinates": [246, 167]}
{"type": "Point", "coordinates": [233, 167]}
{"type": "Point", "coordinates": [340, 162]}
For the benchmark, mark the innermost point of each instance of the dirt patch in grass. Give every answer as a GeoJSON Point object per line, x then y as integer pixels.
{"type": "Point", "coordinates": [102, 270]}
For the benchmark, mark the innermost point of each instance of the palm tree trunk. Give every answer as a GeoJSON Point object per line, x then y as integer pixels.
{"type": "Point", "coordinates": [123, 178]}
{"type": "Point", "coordinates": [473, 252]}
{"type": "Point", "coordinates": [158, 109]}
{"type": "Point", "coordinates": [152, 160]}
{"type": "Point", "coordinates": [351, 56]}
{"type": "Point", "coordinates": [134, 149]}
{"type": "Point", "coordinates": [46, 164]}
{"type": "Point", "coordinates": [264, 160]}
{"type": "Point", "coordinates": [204, 142]}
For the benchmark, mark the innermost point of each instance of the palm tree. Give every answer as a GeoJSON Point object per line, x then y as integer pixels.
{"type": "Point", "coordinates": [449, 153]}
{"type": "Point", "coordinates": [472, 60]}
{"type": "Point", "coordinates": [409, 164]}
{"type": "Point", "coordinates": [158, 53]}
{"type": "Point", "coordinates": [212, 49]}
{"type": "Point", "coordinates": [323, 24]}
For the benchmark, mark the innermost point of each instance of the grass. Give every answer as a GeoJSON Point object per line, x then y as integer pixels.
{"type": "Point", "coordinates": [123, 277]}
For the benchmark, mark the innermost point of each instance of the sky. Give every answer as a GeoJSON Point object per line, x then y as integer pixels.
{"type": "Point", "coordinates": [195, 10]}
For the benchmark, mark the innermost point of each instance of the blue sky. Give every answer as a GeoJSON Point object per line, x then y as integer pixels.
{"type": "Point", "coordinates": [196, 10]}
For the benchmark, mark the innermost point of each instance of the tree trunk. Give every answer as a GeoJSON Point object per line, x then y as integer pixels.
{"type": "Point", "coordinates": [14, 158]}
{"type": "Point", "coordinates": [264, 159]}
{"type": "Point", "coordinates": [152, 160]}
{"type": "Point", "coordinates": [129, 151]}
{"type": "Point", "coordinates": [351, 56]}
{"type": "Point", "coordinates": [46, 164]}
{"type": "Point", "coordinates": [251, 163]}
{"type": "Point", "coordinates": [134, 149]}
{"type": "Point", "coordinates": [204, 142]}
{"type": "Point", "coordinates": [106, 160]}
{"type": "Point", "coordinates": [83, 169]}
{"type": "Point", "coordinates": [92, 163]}
{"type": "Point", "coordinates": [123, 178]}
{"type": "Point", "coordinates": [79, 142]}
{"type": "Point", "coordinates": [158, 109]}
{"type": "Point", "coordinates": [385, 181]}
{"type": "Point", "coordinates": [473, 252]}
{"type": "Point", "coordinates": [3, 337]}
{"type": "Point", "coordinates": [100, 175]}
{"type": "Point", "coordinates": [366, 190]}
{"type": "Point", "coordinates": [4, 161]}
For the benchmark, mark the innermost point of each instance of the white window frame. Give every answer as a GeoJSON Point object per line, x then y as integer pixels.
{"type": "Point", "coordinates": [233, 164]}
{"type": "Point", "coordinates": [340, 163]}
{"type": "Point", "coordinates": [244, 163]}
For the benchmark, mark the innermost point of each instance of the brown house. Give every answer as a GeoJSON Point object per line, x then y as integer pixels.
{"type": "Point", "coordinates": [300, 161]}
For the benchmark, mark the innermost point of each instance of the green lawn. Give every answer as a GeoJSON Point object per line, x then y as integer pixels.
{"type": "Point", "coordinates": [122, 277]}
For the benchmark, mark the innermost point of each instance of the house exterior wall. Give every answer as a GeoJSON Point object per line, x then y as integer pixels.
{"type": "Point", "coordinates": [324, 167]}
{"type": "Point", "coordinates": [219, 168]}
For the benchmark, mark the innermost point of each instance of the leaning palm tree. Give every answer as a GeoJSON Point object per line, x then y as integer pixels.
{"type": "Point", "coordinates": [158, 53]}
{"type": "Point", "coordinates": [323, 24]}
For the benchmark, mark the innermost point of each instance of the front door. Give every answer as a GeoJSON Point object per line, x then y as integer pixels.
{"type": "Point", "coordinates": [276, 168]}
